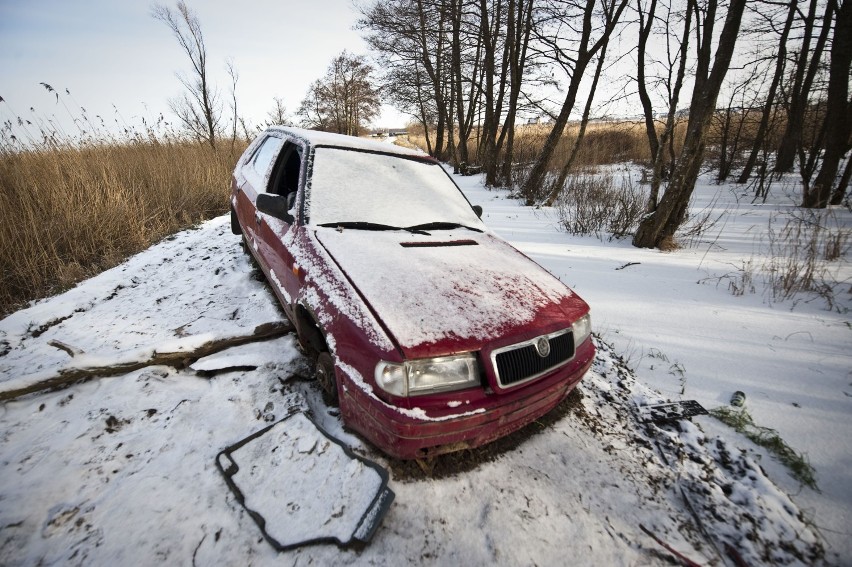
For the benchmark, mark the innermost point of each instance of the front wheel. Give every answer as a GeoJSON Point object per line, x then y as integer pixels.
{"type": "Point", "coordinates": [326, 378]}
{"type": "Point", "coordinates": [235, 223]}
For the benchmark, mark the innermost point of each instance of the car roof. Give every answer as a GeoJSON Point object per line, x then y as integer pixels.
{"type": "Point", "coordinates": [317, 139]}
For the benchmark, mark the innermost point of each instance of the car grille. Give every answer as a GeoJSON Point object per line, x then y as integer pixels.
{"type": "Point", "coordinates": [522, 363]}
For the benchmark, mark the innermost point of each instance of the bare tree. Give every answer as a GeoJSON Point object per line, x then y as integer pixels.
{"type": "Point", "coordinates": [674, 69]}
{"type": "Point", "coordinates": [465, 73]}
{"type": "Point", "coordinates": [519, 28]}
{"type": "Point", "coordinates": [345, 100]}
{"type": "Point", "coordinates": [458, 67]}
{"type": "Point", "coordinates": [843, 184]}
{"type": "Point", "coordinates": [234, 76]}
{"type": "Point", "coordinates": [646, 23]}
{"type": "Point", "coordinates": [278, 115]}
{"type": "Point", "coordinates": [573, 56]}
{"type": "Point", "coordinates": [504, 31]}
{"type": "Point", "coordinates": [731, 120]}
{"type": "Point", "coordinates": [808, 63]}
{"type": "Point", "coordinates": [197, 108]}
{"type": "Point", "coordinates": [671, 77]}
{"type": "Point", "coordinates": [556, 188]}
{"type": "Point", "coordinates": [658, 227]}
{"type": "Point", "coordinates": [769, 104]}
{"type": "Point", "coordinates": [838, 113]}
{"type": "Point", "coordinates": [410, 39]}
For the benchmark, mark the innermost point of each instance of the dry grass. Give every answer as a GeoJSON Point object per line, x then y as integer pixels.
{"type": "Point", "coordinates": [603, 143]}
{"type": "Point", "coordinates": [797, 463]}
{"type": "Point", "coordinates": [619, 141]}
{"type": "Point", "coordinates": [70, 210]}
{"type": "Point", "coordinates": [801, 259]}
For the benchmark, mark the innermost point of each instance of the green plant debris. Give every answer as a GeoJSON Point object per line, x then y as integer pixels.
{"type": "Point", "coordinates": [741, 421]}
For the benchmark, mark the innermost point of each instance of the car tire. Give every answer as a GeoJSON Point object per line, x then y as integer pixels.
{"type": "Point", "coordinates": [235, 223]}
{"type": "Point", "coordinates": [326, 378]}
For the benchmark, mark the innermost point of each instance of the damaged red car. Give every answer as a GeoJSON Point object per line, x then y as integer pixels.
{"type": "Point", "coordinates": [432, 333]}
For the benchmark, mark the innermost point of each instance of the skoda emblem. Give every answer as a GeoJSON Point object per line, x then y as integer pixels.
{"type": "Point", "coordinates": [542, 346]}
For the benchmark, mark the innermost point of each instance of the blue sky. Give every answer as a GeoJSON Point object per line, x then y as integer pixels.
{"type": "Point", "coordinates": [108, 52]}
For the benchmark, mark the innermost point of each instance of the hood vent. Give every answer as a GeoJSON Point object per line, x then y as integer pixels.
{"type": "Point", "coordinates": [439, 244]}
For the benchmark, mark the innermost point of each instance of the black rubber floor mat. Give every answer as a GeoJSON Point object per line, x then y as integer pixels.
{"type": "Point", "coordinates": [302, 486]}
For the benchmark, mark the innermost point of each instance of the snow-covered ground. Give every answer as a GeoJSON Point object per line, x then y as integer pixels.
{"type": "Point", "coordinates": [673, 317]}
{"type": "Point", "coordinates": [122, 468]}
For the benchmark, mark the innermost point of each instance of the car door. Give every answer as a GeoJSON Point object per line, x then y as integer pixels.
{"type": "Point", "coordinates": [274, 238]}
{"type": "Point", "coordinates": [253, 179]}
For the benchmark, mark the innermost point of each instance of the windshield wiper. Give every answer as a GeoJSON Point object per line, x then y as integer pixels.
{"type": "Point", "coordinates": [364, 225]}
{"type": "Point", "coordinates": [441, 226]}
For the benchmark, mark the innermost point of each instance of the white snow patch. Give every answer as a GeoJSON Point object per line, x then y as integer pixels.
{"type": "Point", "coordinates": [273, 353]}
{"type": "Point", "coordinates": [83, 468]}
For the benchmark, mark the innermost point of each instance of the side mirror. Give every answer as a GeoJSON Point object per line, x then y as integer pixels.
{"type": "Point", "coordinates": [478, 210]}
{"type": "Point", "coordinates": [275, 206]}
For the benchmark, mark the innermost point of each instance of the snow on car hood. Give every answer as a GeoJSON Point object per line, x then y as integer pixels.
{"type": "Point", "coordinates": [456, 285]}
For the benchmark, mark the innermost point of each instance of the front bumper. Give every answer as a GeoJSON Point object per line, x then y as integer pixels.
{"type": "Point", "coordinates": [413, 434]}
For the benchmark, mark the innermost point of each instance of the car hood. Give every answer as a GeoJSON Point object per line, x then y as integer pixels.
{"type": "Point", "coordinates": [452, 290]}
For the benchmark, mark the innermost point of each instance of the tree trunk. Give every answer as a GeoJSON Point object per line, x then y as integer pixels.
{"type": "Point", "coordinates": [840, 192]}
{"type": "Point", "coordinates": [435, 77]}
{"type": "Point", "coordinates": [803, 80]}
{"type": "Point", "coordinates": [759, 137]}
{"type": "Point", "coordinates": [667, 139]}
{"type": "Point", "coordinates": [517, 37]}
{"type": "Point", "coordinates": [557, 187]}
{"type": "Point", "coordinates": [488, 138]}
{"type": "Point", "coordinates": [838, 118]}
{"type": "Point", "coordinates": [644, 32]}
{"type": "Point", "coordinates": [534, 183]}
{"type": "Point", "coordinates": [464, 113]}
{"type": "Point", "coordinates": [660, 226]}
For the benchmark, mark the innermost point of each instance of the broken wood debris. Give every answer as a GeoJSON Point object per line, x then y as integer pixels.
{"type": "Point", "coordinates": [72, 351]}
{"type": "Point", "coordinates": [76, 374]}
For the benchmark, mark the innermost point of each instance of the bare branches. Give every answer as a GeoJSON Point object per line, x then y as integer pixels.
{"type": "Point", "coordinates": [234, 76]}
{"type": "Point", "coordinates": [468, 70]}
{"type": "Point", "coordinates": [345, 100]}
{"type": "Point", "coordinates": [197, 108]}
{"type": "Point", "coordinates": [278, 115]}
{"type": "Point", "coordinates": [582, 49]}
{"type": "Point", "coordinates": [660, 226]}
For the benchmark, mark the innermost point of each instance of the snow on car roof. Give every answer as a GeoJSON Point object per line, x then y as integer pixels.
{"type": "Point", "coordinates": [317, 138]}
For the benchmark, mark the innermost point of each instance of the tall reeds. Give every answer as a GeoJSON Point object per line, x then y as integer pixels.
{"type": "Point", "coordinates": [72, 206]}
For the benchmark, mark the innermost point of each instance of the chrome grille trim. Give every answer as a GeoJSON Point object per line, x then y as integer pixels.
{"type": "Point", "coordinates": [520, 362]}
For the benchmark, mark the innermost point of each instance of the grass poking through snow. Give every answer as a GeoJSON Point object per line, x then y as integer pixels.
{"type": "Point", "coordinates": [741, 421]}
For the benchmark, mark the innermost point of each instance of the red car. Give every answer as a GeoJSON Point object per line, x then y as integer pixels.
{"type": "Point", "coordinates": [432, 333]}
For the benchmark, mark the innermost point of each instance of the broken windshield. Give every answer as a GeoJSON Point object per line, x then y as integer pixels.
{"type": "Point", "coordinates": [349, 186]}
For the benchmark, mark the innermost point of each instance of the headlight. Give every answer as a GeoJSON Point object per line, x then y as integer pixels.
{"type": "Point", "coordinates": [582, 329]}
{"type": "Point", "coordinates": [428, 375]}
